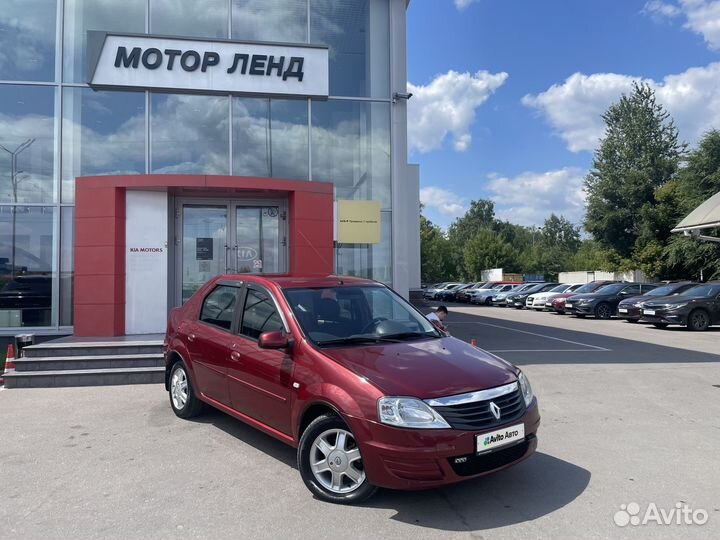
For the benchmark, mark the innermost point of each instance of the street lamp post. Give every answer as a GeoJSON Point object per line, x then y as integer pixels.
{"type": "Point", "coordinates": [14, 174]}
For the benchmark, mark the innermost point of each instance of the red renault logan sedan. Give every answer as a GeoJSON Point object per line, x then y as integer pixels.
{"type": "Point", "coordinates": [344, 369]}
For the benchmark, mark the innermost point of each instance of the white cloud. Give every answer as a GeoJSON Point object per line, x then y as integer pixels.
{"type": "Point", "coordinates": [462, 4]}
{"type": "Point", "coordinates": [447, 106]}
{"type": "Point", "coordinates": [574, 108]}
{"type": "Point", "coordinates": [529, 198]}
{"type": "Point", "coordinates": [701, 16]}
{"type": "Point", "coordinates": [444, 201]}
{"type": "Point", "coordinates": [659, 9]}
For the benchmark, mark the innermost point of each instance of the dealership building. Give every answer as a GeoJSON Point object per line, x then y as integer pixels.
{"type": "Point", "coordinates": [149, 145]}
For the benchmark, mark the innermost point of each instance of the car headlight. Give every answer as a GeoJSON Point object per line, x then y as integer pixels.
{"type": "Point", "coordinates": [525, 388]}
{"type": "Point", "coordinates": [673, 307]}
{"type": "Point", "coordinates": [409, 413]}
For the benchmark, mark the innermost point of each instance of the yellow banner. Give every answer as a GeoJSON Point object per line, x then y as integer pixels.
{"type": "Point", "coordinates": [358, 222]}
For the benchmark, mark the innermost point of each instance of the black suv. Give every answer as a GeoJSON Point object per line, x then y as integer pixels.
{"type": "Point", "coordinates": [604, 302]}
{"type": "Point", "coordinates": [697, 308]}
{"type": "Point", "coordinates": [630, 309]}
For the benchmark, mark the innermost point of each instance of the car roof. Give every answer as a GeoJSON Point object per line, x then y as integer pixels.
{"type": "Point", "coordinates": [292, 281]}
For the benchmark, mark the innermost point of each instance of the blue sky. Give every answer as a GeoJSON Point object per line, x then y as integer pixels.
{"type": "Point", "coordinates": [508, 94]}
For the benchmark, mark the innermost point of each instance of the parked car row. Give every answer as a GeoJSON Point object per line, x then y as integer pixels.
{"type": "Point", "coordinates": [687, 303]}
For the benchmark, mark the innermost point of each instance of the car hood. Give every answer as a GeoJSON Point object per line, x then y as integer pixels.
{"type": "Point", "coordinates": [639, 299]}
{"type": "Point", "coordinates": [675, 300]}
{"type": "Point", "coordinates": [589, 296]}
{"type": "Point", "coordinates": [425, 369]}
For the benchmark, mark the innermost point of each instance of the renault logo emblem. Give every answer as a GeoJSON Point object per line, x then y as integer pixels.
{"type": "Point", "coordinates": [495, 410]}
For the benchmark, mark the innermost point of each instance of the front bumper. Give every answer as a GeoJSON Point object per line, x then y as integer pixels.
{"type": "Point", "coordinates": [412, 459]}
{"type": "Point", "coordinates": [633, 313]}
{"type": "Point", "coordinates": [666, 317]}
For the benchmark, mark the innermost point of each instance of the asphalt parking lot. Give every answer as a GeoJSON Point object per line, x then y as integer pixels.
{"type": "Point", "coordinates": [623, 422]}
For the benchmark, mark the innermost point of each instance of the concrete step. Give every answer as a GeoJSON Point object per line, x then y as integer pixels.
{"type": "Point", "coordinates": [84, 377]}
{"type": "Point", "coordinates": [98, 361]}
{"type": "Point", "coordinates": [51, 349]}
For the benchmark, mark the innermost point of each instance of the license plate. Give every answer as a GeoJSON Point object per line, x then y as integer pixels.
{"type": "Point", "coordinates": [502, 437]}
{"type": "Point", "coordinates": [648, 312]}
{"type": "Point", "coordinates": [568, 305]}
{"type": "Point", "coordinates": [622, 310]}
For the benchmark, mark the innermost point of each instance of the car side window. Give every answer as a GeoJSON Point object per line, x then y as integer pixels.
{"type": "Point", "coordinates": [632, 289]}
{"type": "Point", "coordinates": [259, 315]}
{"type": "Point", "coordinates": [218, 308]}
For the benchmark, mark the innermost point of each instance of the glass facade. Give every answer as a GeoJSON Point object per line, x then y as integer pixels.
{"type": "Point", "coordinates": [53, 127]}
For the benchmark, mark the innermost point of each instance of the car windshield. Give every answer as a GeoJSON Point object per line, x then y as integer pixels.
{"type": "Point", "coordinates": [357, 315]}
{"type": "Point", "coordinates": [612, 289]}
{"type": "Point", "coordinates": [665, 290]}
{"type": "Point", "coordinates": [701, 291]}
{"type": "Point", "coordinates": [588, 287]}
{"type": "Point", "coordinates": [560, 288]}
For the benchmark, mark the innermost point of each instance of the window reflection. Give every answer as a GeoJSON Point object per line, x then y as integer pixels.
{"type": "Point", "coordinates": [27, 139]}
{"type": "Point", "coordinates": [351, 148]}
{"type": "Point", "coordinates": [103, 15]}
{"type": "Point", "coordinates": [357, 32]}
{"type": "Point", "coordinates": [290, 140]}
{"type": "Point", "coordinates": [26, 249]}
{"type": "Point", "coordinates": [270, 138]}
{"type": "Point", "coordinates": [208, 18]}
{"type": "Point", "coordinates": [270, 20]}
{"type": "Point", "coordinates": [189, 134]}
{"type": "Point", "coordinates": [373, 261]}
{"type": "Point", "coordinates": [27, 40]}
{"type": "Point", "coordinates": [67, 243]}
{"type": "Point", "coordinates": [251, 137]}
{"type": "Point", "coordinates": [103, 133]}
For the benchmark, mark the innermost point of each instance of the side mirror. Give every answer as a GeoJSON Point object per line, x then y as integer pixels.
{"type": "Point", "coordinates": [275, 339]}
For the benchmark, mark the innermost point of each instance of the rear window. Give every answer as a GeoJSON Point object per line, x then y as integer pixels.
{"type": "Point", "coordinates": [219, 306]}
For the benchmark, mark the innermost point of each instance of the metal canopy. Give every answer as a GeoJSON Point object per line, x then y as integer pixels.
{"type": "Point", "coordinates": [705, 216]}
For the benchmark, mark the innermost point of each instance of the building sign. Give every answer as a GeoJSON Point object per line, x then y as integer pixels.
{"type": "Point", "coordinates": [358, 222]}
{"type": "Point", "coordinates": [203, 249]}
{"type": "Point", "coordinates": [207, 66]}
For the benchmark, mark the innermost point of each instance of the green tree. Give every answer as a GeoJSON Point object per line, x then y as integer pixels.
{"type": "Point", "coordinates": [639, 153]}
{"type": "Point", "coordinates": [434, 253]}
{"type": "Point", "coordinates": [558, 232]}
{"type": "Point", "coordinates": [486, 250]}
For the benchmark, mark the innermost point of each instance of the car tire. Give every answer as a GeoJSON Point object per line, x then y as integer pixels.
{"type": "Point", "coordinates": [183, 400]}
{"type": "Point", "coordinates": [698, 320]}
{"type": "Point", "coordinates": [323, 428]}
{"type": "Point", "coordinates": [603, 311]}
{"type": "Point", "coordinates": [661, 325]}
{"type": "Point", "coordinates": [488, 302]}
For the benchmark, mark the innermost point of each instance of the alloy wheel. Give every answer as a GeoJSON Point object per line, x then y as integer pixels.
{"type": "Point", "coordinates": [335, 461]}
{"type": "Point", "coordinates": [179, 388]}
{"type": "Point", "coordinates": [699, 320]}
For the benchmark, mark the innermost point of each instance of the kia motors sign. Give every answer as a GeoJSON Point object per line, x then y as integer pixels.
{"type": "Point", "coordinates": [207, 66]}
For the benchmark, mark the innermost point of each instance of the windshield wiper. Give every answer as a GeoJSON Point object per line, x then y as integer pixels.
{"type": "Point", "coordinates": [404, 336]}
{"type": "Point", "coordinates": [349, 340]}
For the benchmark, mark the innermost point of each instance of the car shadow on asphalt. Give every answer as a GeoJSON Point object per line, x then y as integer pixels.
{"type": "Point", "coordinates": [537, 487]}
{"type": "Point", "coordinates": [248, 435]}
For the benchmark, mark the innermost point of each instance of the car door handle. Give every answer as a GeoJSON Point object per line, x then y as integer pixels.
{"type": "Point", "coordinates": [191, 337]}
{"type": "Point", "coordinates": [235, 356]}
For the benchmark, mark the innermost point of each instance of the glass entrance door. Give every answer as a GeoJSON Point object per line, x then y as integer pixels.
{"type": "Point", "coordinates": [230, 238]}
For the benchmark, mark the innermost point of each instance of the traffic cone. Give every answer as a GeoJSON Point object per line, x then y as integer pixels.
{"type": "Point", "coordinates": [9, 363]}
{"type": "Point", "coordinates": [473, 342]}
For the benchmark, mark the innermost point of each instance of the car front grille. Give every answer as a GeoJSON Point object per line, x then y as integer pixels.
{"type": "Point", "coordinates": [476, 415]}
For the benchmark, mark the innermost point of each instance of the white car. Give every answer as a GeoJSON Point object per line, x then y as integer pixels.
{"type": "Point", "coordinates": [538, 300]}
